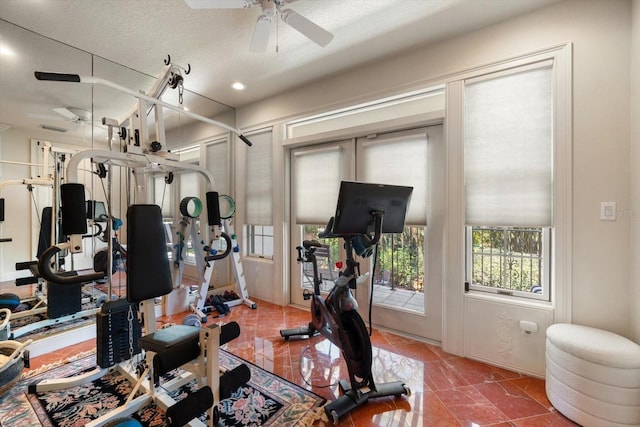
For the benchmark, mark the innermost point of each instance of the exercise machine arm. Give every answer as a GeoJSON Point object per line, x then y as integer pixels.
{"type": "Point", "coordinates": [75, 78]}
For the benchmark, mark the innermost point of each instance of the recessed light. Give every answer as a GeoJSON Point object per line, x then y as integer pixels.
{"type": "Point", "coordinates": [6, 51]}
{"type": "Point", "coordinates": [238, 86]}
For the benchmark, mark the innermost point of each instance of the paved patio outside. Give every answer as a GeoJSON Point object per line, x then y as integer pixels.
{"type": "Point", "coordinates": [398, 298]}
{"type": "Point", "coordinates": [384, 295]}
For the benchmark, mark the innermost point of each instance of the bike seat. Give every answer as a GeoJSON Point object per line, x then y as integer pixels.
{"type": "Point", "coordinates": [311, 244]}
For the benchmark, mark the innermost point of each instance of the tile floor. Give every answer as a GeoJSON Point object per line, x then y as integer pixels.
{"type": "Point", "coordinates": [446, 390]}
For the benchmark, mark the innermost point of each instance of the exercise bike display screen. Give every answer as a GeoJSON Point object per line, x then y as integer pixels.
{"type": "Point", "coordinates": [357, 201]}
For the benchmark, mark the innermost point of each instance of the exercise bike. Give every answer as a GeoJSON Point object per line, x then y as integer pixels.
{"type": "Point", "coordinates": [361, 208]}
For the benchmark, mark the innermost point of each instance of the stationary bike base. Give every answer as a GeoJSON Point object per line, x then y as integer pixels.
{"type": "Point", "coordinates": [308, 331]}
{"type": "Point", "coordinates": [351, 399]}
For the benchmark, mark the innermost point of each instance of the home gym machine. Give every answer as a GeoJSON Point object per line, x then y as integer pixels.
{"type": "Point", "coordinates": [206, 257]}
{"type": "Point", "coordinates": [136, 120]}
{"type": "Point", "coordinates": [192, 349]}
{"type": "Point", "coordinates": [144, 358]}
{"type": "Point", "coordinates": [364, 211]}
{"type": "Point", "coordinates": [51, 304]}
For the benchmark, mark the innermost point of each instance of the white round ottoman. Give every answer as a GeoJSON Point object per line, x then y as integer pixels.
{"type": "Point", "coordinates": [593, 376]}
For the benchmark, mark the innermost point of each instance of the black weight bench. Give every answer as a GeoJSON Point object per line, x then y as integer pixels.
{"type": "Point", "coordinates": [180, 344]}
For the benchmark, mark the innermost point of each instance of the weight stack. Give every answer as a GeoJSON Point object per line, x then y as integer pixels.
{"type": "Point", "coordinates": [112, 325]}
{"type": "Point", "coordinates": [63, 299]}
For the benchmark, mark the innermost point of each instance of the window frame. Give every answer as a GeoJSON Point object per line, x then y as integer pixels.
{"type": "Point", "coordinates": [252, 236]}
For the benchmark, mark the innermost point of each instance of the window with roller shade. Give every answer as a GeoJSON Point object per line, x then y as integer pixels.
{"type": "Point", "coordinates": [508, 181]}
{"type": "Point", "coordinates": [259, 195]}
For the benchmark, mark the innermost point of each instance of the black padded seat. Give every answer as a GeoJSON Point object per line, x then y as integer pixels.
{"type": "Point", "coordinates": [148, 271]}
{"type": "Point", "coordinates": [165, 339]}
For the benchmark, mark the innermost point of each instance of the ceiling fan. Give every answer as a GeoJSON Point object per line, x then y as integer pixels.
{"type": "Point", "coordinates": [77, 116]}
{"type": "Point", "coordinates": [69, 114]}
{"type": "Point", "coordinates": [270, 8]}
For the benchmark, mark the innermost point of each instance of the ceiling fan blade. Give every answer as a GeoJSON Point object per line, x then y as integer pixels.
{"type": "Point", "coordinates": [44, 117]}
{"type": "Point", "coordinates": [219, 4]}
{"type": "Point", "coordinates": [260, 37]}
{"type": "Point", "coordinates": [66, 113]}
{"type": "Point", "coordinates": [315, 33]}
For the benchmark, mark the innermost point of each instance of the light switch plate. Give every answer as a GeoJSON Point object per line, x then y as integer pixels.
{"type": "Point", "coordinates": [608, 211]}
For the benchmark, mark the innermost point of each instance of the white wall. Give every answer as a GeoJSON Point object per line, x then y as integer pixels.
{"type": "Point", "coordinates": [600, 33]}
{"type": "Point", "coordinates": [635, 170]}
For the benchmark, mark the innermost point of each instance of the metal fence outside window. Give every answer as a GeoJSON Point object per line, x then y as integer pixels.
{"type": "Point", "coordinates": [507, 258]}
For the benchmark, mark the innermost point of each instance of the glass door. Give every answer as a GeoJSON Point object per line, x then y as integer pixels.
{"type": "Point", "coordinates": [406, 292]}
{"type": "Point", "coordinates": [316, 173]}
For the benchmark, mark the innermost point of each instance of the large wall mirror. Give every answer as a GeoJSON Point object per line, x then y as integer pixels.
{"type": "Point", "coordinates": [70, 115]}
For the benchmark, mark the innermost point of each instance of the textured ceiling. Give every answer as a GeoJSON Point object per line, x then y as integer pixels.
{"type": "Point", "coordinates": [139, 35]}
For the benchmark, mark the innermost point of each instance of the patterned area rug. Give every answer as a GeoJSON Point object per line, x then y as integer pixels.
{"type": "Point", "coordinates": [266, 400]}
{"type": "Point", "coordinates": [18, 323]}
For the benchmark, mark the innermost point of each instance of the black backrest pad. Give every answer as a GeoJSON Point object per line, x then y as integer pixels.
{"type": "Point", "coordinates": [148, 273]}
{"type": "Point", "coordinates": [74, 210]}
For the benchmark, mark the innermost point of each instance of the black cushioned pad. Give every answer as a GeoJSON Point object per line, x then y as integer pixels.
{"type": "Point", "coordinates": [148, 273]}
{"type": "Point", "coordinates": [166, 338]}
{"type": "Point", "coordinates": [228, 332]}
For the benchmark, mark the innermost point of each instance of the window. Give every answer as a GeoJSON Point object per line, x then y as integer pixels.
{"type": "Point", "coordinates": [326, 257]}
{"type": "Point", "coordinates": [401, 260]}
{"type": "Point", "coordinates": [508, 170]}
{"type": "Point", "coordinates": [509, 260]}
{"type": "Point", "coordinates": [259, 195]}
{"type": "Point", "coordinates": [316, 172]}
{"type": "Point", "coordinates": [400, 158]}
{"type": "Point", "coordinates": [260, 240]}
{"type": "Point", "coordinates": [217, 162]}
{"type": "Point", "coordinates": [189, 187]}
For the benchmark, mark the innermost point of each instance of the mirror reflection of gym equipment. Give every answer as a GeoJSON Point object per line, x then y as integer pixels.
{"type": "Point", "coordinates": [364, 211]}
{"type": "Point", "coordinates": [127, 336]}
{"type": "Point", "coordinates": [49, 305]}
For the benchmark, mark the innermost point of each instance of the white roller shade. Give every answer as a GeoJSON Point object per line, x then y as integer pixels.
{"type": "Point", "coordinates": [259, 179]}
{"type": "Point", "coordinates": [508, 142]}
{"type": "Point", "coordinates": [398, 159]}
{"type": "Point", "coordinates": [218, 165]}
{"type": "Point", "coordinates": [189, 185]}
{"type": "Point", "coordinates": [317, 173]}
